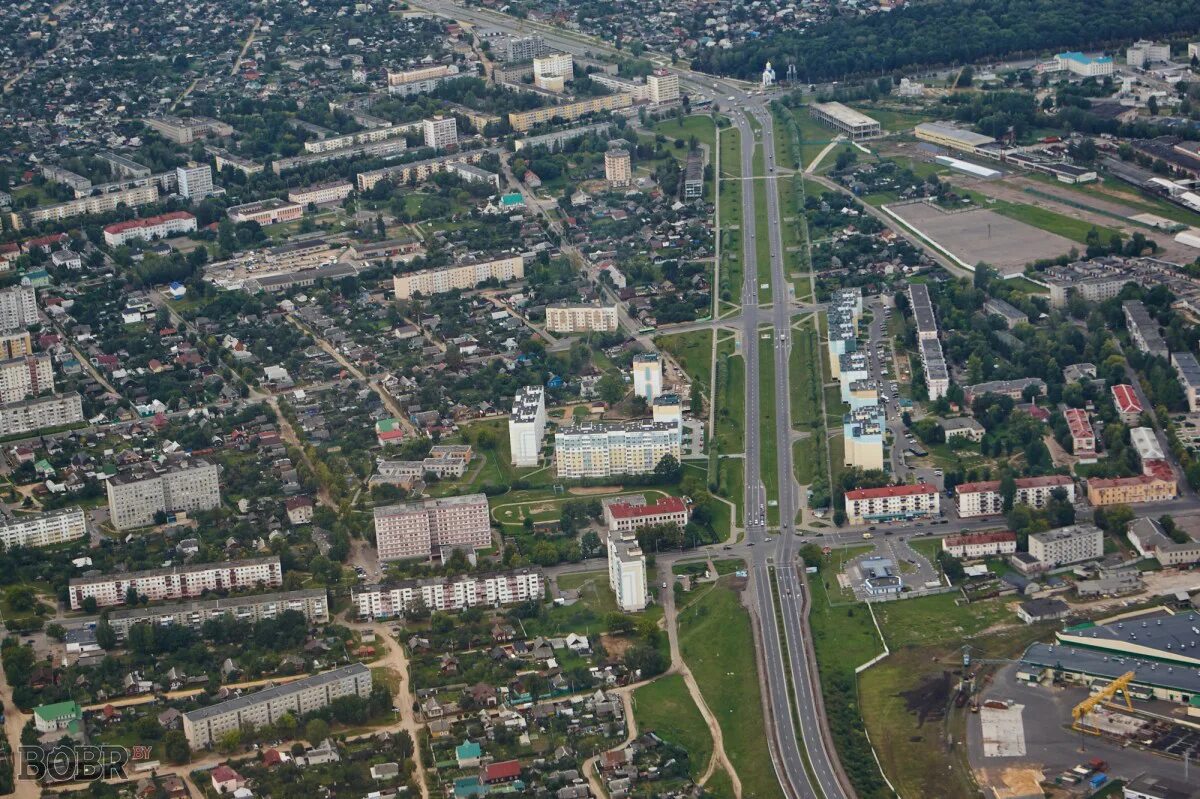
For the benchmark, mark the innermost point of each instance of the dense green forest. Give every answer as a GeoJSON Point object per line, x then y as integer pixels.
{"type": "Point", "coordinates": [941, 32]}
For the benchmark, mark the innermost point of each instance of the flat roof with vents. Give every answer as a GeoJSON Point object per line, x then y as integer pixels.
{"type": "Point", "coordinates": [1166, 639]}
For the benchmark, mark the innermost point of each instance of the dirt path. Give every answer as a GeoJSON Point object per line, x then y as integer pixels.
{"type": "Point", "coordinates": [680, 667]}
{"type": "Point", "coordinates": [590, 766]}
{"type": "Point", "coordinates": [288, 434]}
{"type": "Point", "coordinates": [397, 660]}
{"type": "Point", "coordinates": [387, 399]}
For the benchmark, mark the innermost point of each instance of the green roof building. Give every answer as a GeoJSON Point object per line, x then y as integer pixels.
{"type": "Point", "coordinates": [59, 716]}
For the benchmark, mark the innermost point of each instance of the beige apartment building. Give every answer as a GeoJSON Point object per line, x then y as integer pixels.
{"type": "Point", "coordinates": [25, 377]}
{"type": "Point", "coordinates": [259, 709]}
{"type": "Point", "coordinates": [135, 498]}
{"type": "Point", "coordinates": [401, 174]}
{"type": "Point", "coordinates": [43, 529]}
{"type": "Point", "coordinates": [600, 449]}
{"type": "Point", "coordinates": [15, 344]}
{"type": "Point", "coordinates": [332, 191]}
{"type": "Point", "coordinates": [618, 168]}
{"type": "Point", "coordinates": [40, 413]}
{"type": "Point", "coordinates": [134, 197]}
{"type": "Point", "coordinates": [581, 318]}
{"type": "Point", "coordinates": [663, 85]}
{"type": "Point", "coordinates": [432, 527]}
{"type": "Point", "coordinates": [179, 582]}
{"type": "Point", "coordinates": [525, 120]}
{"type": "Point", "coordinates": [461, 277]}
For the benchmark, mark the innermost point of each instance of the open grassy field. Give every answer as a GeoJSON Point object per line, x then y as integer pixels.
{"type": "Point", "coordinates": [1044, 219]}
{"type": "Point", "coordinates": [906, 699]}
{"type": "Point", "coordinates": [717, 642]}
{"type": "Point", "coordinates": [730, 479]}
{"type": "Point", "coordinates": [589, 614]}
{"type": "Point", "coordinates": [730, 397]}
{"type": "Point", "coordinates": [693, 351]}
{"type": "Point", "coordinates": [665, 708]}
{"type": "Point", "coordinates": [698, 125]}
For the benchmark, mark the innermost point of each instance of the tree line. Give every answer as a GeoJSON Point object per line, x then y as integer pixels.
{"type": "Point", "coordinates": [923, 35]}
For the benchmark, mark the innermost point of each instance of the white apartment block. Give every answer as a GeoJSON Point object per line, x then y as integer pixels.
{"type": "Point", "coordinates": [25, 377]}
{"type": "Point", "coordinates": [369, 136]}
{"type": "Point", "coordinates": [663, 85]}
{"type": "Point", "coordinates": [527, 426]}
{"type": "Point", "coordinates": [604, 450]}
{"type": "Point", "coordinates": [891, 502]}
{"type": "Point", "coordinates": [312, 602]}
{"type": "Point", "coordinates": [581, 318]}
{"type": "Point", "coordinates": [43, 529]}
{"type": "Point", "coordinates": [448, 593]}
{"type": "Point", "coordinates": [18, 307]}
{"type": "Point", "coordinates": [554, 65]}
{"type": "Point", "coordinates": [461, 277]}
{"type": "Point", "coordinates": [618, 168]}
{"type": "Point", "coordinates": [647, 375]}
{"type": "Point", "coordinates": [1143, 53]}
{"type": "Point", "coordinates": [189, 486]}
{"type": "Point", "coordinates": [627, 571]}
{"type": "Point", "coordinates": [15, 343]}
{"type": "Point", "coordinates": [134, 197]}
{"type": "Point", "coordinates": [179, 582]}
{"type": "Point", "coordinates": [150, 227]}
{"type": "Point", "coordinates": [194, 181]}
{"type": "Point", "coordinates": [331, 191]}
{"type": "Point", "coordinates": [971, 546]}
{"type": "Point", "coordinates": [428, 527]}
{"type": "Point", "coordinates": [41, 413]}
{"type": "Point", "coordinates": [626, 516]}
{"type": "Point", "coordinates": [1073, 544]}
{"type": "Point", "coordinates": [984, 499]}
{"type": "Point", "coordinates": [440, 132]}
{"type": "Point", "coordinates": [259, 709]}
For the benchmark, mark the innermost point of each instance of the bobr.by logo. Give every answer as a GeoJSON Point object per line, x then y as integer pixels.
{"type": "Point", "coordinates": [74, 763]}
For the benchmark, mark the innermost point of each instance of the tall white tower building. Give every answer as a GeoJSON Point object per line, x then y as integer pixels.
{"type": "Point", "coordinates": [527, 426]}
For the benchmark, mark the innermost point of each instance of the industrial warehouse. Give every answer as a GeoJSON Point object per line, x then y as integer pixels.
{"type": "Point", "coordinates": [1162, 651]}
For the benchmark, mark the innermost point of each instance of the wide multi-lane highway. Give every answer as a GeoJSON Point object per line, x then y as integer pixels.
{"type": "Point", "coordinates": [803, 755]}
{"type": "Point", "coordinates": [804, 760]}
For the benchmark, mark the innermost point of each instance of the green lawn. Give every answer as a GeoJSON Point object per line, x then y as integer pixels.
{"type": "Point", "coordinates": [1027, 286]}
{"type": "Point", "coordinates": [698, 125]}
{"type": "Point", "coordinates": [729, 199]}
{"type": "Point", "coordinates": [730, 397]}
{"type": "Point", "coordinates": [804, 374]}
{"type": "Point", "coordinates": [730, 482]}
{"type": "Point", "coordinates": [596, 602]}
{"type": "Point", "coordinates": [806, 454]}
{"type": "Point", "coordinates": [1068, 227]}
{"type": "Point", "coordinates": [813, 135]}
{"type": "Point", "coordinates": [720, 786]}
{"type": "Point", "coordinates": [716, 641]}
{"type": "Point", "coordinates": [693, 351]}
{"type": "Point", "coordinates": [767, 424]}
{"type": "Point", "coordinates": [665, 708]}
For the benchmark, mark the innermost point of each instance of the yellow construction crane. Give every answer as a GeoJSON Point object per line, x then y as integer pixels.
{"type": "Point", "coordinates": [1105, 694]}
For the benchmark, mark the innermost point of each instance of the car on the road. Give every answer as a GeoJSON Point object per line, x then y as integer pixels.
{"type": "Point", "coordinates": [726, 547]}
